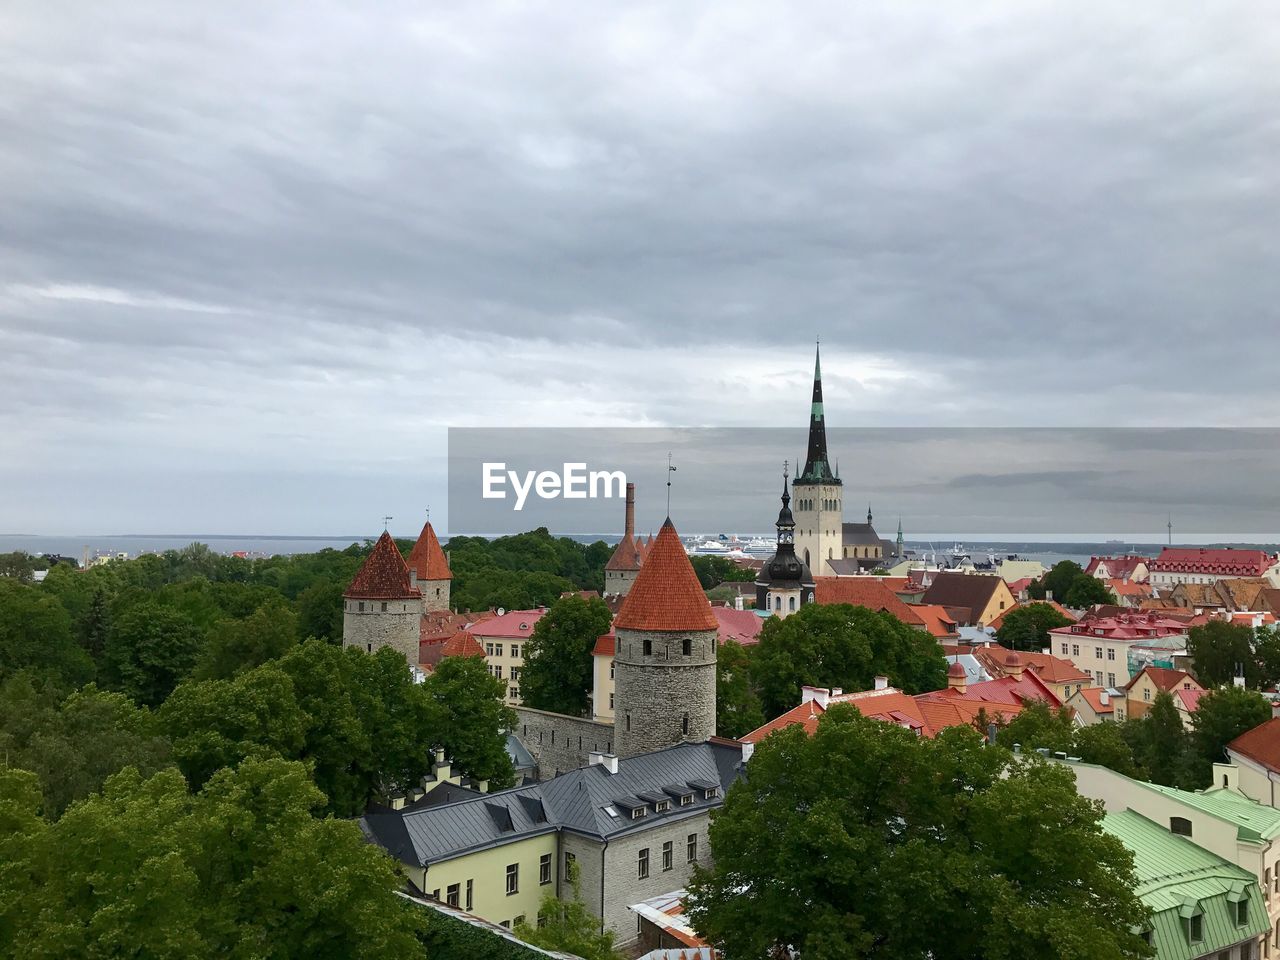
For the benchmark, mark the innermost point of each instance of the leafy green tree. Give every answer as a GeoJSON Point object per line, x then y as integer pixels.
{"type": "Point", "coordinates": [1085, 591]}
{"type": "Point", "coordinates": [1222, 715]}
{"type": "Point", "coordinates": [234, 646]}
{"type": "Point", "coordinates": [713, 571]}
{"type": "Point", "coordinates": [1105, 745]}
{"type": "Point", "coordinates": [320, 611]}
{"type": "Point", "coordinates": [150, 648]}
{"type": "Point", "coordinates": [1037, 727]}
{"type": "Point", "coordinates": [843, 646]}
{"type": "Point", "coordinates": [97, 626]}
{"type": "Point", "coordinates": [35, 634]}
{"type": "Point", "coordinates": [1266, 648]}
{"type": "Point", "coordinates": [569, 926]}
{"type": "Point", "coordinates": [240, 869]}
{"type": "Point", "coordinates": [1161, 745]}
{"type": "Point", "coordinates": [1218, 649]}
{"type": "Point", "coordinates": [557, 659]}
{"type": "Point", "coordinates": [1057, 581]}
{"type": "Point", "coordinates": [1027, 627]}
{"type": "Point", "coordinates": [738, 709]}
{"type": "Point", "coordinates": [218, 723]}
{"type": "Point", "coordinates": [472, 719]}
{"type": "Point", "coordinates": [897, 820]}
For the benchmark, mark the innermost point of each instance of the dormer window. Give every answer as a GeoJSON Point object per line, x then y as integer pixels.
{"type": "Point", "coordinates": [710, 794]}
{"type": "Point", "coordinates": [686, 799]}
{"type": "Point", "coordinates": [638, 812]}
{"type": "Point", "coordinates": [662, 806]}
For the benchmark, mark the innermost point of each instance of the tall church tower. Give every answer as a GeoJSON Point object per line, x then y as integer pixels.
{"type": "Point", "coordinates": [819, 508]}
{"type": "Point", "coordinates": [665, 655]}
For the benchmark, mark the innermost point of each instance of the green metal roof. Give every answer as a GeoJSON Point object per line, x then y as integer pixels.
{"type": "Point", "coordinates": [1177, 878]}
{"type": "Point", "coordinates": [1254, 821]}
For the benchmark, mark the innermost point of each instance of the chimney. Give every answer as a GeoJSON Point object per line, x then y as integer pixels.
{"type": "Point", "coordinates": [882, 683]}
{"type": "Point", "coordinates": [819, 695]}
{"type": "Point", "coordinates": [1013, 665]}
{"type": "Point", "coordinates": [956, 679]}
{"type": "Point", "coordinates": [1048, 596]}
{"type": "Point", "coordinates": [1104, 698]}
{"type": "Point", "coordinates": [629, 528]}
{"type": "Point", "coordinates": [748, 749]}
{"type": "Point", "coordinates": [737, 602]}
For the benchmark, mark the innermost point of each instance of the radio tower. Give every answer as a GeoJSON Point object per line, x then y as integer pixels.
{"type": "Point", "coordinates": [1170, 526]}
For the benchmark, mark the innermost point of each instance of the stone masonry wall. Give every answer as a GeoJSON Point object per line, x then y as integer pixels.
{"type": "Point", "coordinates": [561, 743]}
{"type": "Point", "coordinates": [653, 692]}
{"type": "Point", "coordinates": [435, 595]}
{"type": "Point", "coordinates": [399, 627]}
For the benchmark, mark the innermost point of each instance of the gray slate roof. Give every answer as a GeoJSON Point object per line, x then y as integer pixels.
{"type": "Point", "coordinates": [579, 801]}
{"type": "Point", "coordinates": [862, 534]}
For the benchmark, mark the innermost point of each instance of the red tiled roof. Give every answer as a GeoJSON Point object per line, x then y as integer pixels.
{"type": "Point", "coordinates": [1188, 699]}
{"type": "Point", "coordinates": [1093, 695]}
{"type": "Point", "coordinates": [741, 626]}
{"type": "Point", "coordinates": [1124, 626]}
{"type": "Point", "coordinates": [1222, 562]}
{"type": "Point", "coordinates": [462, 645]}
{"type": "Point", "coordinates": [606, 645]}
{"type": "Point", "coordinates": [427, 559]}
{"type": "Point", "coordinates": [666, 594]}
{"type": "Point", "coordinates": [439, 625]}
{"type": "Point", "coordinates": [383, 576]}
{"type": "Point", "coordinates": [1261, 744]}
{"type": "Point", "coordinates": [1128, 588]}
{"type": "Point", "coordinates": [936, 619]}
{"type": "Point", "coordinates": [1163, 678]}
{"type": "Point", "coordinates": [512, 625]}
{"type": "Point", "coordinates": [1119, 567]}
{"type": "Point", "coordinates": [864, 592]}
{"type": "Point", "coordinates": [941, 714]}
{"type": "Point", "coordinates": [1017, 586]}
{"type": "Point", "coordinates": [1012, 690]}
{"type": "Point", "coordinates": [1048, 668]}
{"type": "Point", "coordinates": [626, 555]}
{"type": "Point", "coordinates": [806, 714]}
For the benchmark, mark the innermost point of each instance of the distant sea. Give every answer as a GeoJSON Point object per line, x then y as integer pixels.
{"type": "Point", "coordinates": [1047, 552]}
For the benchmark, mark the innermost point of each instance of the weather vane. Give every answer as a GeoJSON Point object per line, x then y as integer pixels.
{"type": "Point", "coordinates": [670, 471]}
{"type": "Point", "coordinates": [385, 521]}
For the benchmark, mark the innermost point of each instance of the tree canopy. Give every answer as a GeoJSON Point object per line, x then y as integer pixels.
{"type": "Point", "coordinates": [843, 646]}
{"type": "Point", "coordinates": [557, 658]}
{"type": "Point", "coordinates": [1027, 627]}
{"type": "Point", "coordinates": [883, 821]}
{"type": "Point", "coordinates": [1219, 650]}
{"type": "Point", "coordinates": [738, 709]}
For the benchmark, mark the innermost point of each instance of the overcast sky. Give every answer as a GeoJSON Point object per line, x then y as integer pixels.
{"type": "Point", "coordinates": [254, 259]}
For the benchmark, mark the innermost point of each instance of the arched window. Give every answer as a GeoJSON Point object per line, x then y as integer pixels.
{"type": "Point", "coordinates": [792, 603]}
{"type": "Point", "coordinates": [777, 603]}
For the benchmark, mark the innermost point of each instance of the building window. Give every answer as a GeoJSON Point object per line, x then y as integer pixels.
{"type": "Point", "coordinates": [662, 806]}
{"type": "Point", "coordinates": [686, 646]}
{"type": "Point", "coordinates": [642, 864]}
{"type": "Point", "coordinates": [1111, 679]}
{"type": "Point", "coordinates": [362, 606]}
{"type": "Point", "coordinates": [1111, 653]}
{"type": "Point", "coordinates": [488, 649]}
{"type": "Point", "coordinates": [667, 858]}
{"type": "Point", "coordinates": [791, 603]}
{"type": "Point", "coordinates": [648, 647]}
{"type": "Point", "coordinates": [497, 671]}
{"type": "Point", "coordinates": [451, 894]}
{"type": "Point", "coordinates": [505, 924]}
{"type": "Point", "coordinates": [1180, 825]}
{"type": "Point", "coordinates": [611, 701]}
{"type": "Point", "coordinates": [1242, 913]}
{"type": "Point", "coordinates": [691, 848]}
{"type": "Point", "coordinates": [514, 693]}
{"type": "Point", "coordinates": [686, 799]}
{"type": "Point", "coordinates": [515, 650]}
{"type": "Point", "coordinates": [637, 813]}
{"type": "Point", "coordinates": [628, 723]}
{"type": "Point", "coordinates": [1097, 653]}
{"type": "Point", "coordinates": [684, 725]}
{"type": "Point", "coordinates": [1195, 928]}
{"type": "Point", "coordinates": [513, 878]}
{"type": "Point", "coordinates": [1075, 649]}
{"type": "Point", "coordinates": [1064, 649]}
{"type": "Point", "coordinates": [544, 869]}
{"type": "Point", "coordinates": [1146, 693]}
{"type": "Point", "coordinates": [384, 608]}
{"type": "Point", "coordinates": [710, 794]}
{"type": "Point", "coordinates": [610, 669]}
{"type": "Point", "coordinates": [518, 920]}
{"type": "Point", "coordinates": [497, 649]}
{"type": "Point", "coordinates": [469, 897]}
{"type": "Point", "coordinates": [542, 920]}
{"type": "Point", "coordinates": [1097, 677]}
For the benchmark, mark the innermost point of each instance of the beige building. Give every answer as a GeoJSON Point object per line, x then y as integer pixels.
{"type": "Point", "coordinates": [1142, 690]}
{"type": "Point", "coordinates": [982, 596]}
{"type": "Point", "coordinates": [1256, 753]}
{"type": "Point", "coordinates": [503, 638]}
{"type": "Point", "coordinates": [1095, 705]}
{"type": "Point", "coordinates": [1102, 646]}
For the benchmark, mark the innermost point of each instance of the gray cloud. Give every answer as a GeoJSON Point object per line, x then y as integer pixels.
{"type": "Point", "coordinates": [257, 239]}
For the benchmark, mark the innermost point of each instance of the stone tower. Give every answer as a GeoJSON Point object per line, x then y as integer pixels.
{"type": "Point", "coordinates": [382, 608]}
{"type": "Point", "coordinates": [621, 569]}
{"type": "Point", "coordinates": [665, 658]}
{"type": "Point", "coordinates": [429, 571]}
{"type": "Point", "coordinates": [785, 583]}
{"type": "Point", "coordinates": [819, 508]}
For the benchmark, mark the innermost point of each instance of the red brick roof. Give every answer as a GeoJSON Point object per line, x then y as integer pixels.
{"type": "Point", "coordinates": [606, 645]}
{"type": "Point", "coordinates": [864, 592]}
{"type": "Point", "coordinates": [462, 645]}
{"type": "Point", "coordinates": [1164, 678]}
{"type": "Point", "coordinates": [426, 557]}
{"type": "Point", "coordinates": [626, 555]}
{"type": "Point", "coordinates": [383, 576]}
{"type": "Point", "coordinates": [1222, 562]}
{"type": "Point", "coordinates": [936, 619]}
{"type": "Point", "coordinates": [1261, 744]}
{"type": "Point", "coordinates": [1010, 690]}
{"type": "Point", "coordinates": [512, 625]}
{"type": "Point", "coordinates": [1094, 697]}
{"type": "Point", "coordinates": [666, 594]}
{"type": "Point", "coordinates": [1120, 568]}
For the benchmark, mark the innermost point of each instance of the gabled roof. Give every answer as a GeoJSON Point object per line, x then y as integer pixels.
{"type": "Point", "coordinates": [1093, 696]}
{"type": "Point", "coordinates": [998, 621]}
{"type": "Point", "coordinates": [383, 576]}
{"type": "Point", "coordinates": [741, 626]}
{"type": "Point", "coordinates": [1188, 700]}
{"type": "Point", "coordinates": [511, 625]}
{"type": "Point", "coordinates": [969, 590]}
{"type": "Point", "coordinates": [1164, 678]}
{"type": "Point", "coordinates": [461, 645]}
{"type": "Point", "coordinates": [666, 594]}
{"type": "Point", "coordinates": [606, 645]}
{"type": "Point", "coordinates": [859, 534]}
{"type": "Point", "coordinates": [1261, 744]}
{"type": "Point", "coordinates": [864, 592]}
{"type": "Point", "coordinates": [1118, 567]}
{"type": "Point", "coordinates": [1010, 689]}
{"type": "Point", "coordinates": [1048, 668]}
{"type": "Point", "coordinates": [427, 559]}
{"type": "Point", "coordinates": [936, 619]}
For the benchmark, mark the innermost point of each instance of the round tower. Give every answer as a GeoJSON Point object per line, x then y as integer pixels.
{"type": "Point", "coordinates": [665, 657]}
{"type": "Point", "coordinates": [381, 607]}
{"type": "Point", "coordinates": [429, 570]}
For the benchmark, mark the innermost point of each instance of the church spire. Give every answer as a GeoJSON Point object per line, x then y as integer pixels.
{"type": "Point", "coordinates": [817, 465]}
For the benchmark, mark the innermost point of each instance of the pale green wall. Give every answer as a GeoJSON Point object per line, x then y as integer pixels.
{"type": "Point", "coordinates": [488, 870]}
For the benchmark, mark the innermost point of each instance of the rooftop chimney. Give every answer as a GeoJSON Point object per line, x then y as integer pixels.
{"type": "Point", "coordinates": [737, 602]}
{"type": "Point", "coordinates": [607, 760]}
{"type": "Point", "coordinates": [882, 683]}
{"type": "Point", "coordinates": [629, 528]}
{"type": "Point", "coordinates": [956, 678]}
{"type": "Point", "coordinates": [820, 695]}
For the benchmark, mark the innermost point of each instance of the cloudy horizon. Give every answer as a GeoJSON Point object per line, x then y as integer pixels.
{"type": "Point", "coordinates": [256, 260]}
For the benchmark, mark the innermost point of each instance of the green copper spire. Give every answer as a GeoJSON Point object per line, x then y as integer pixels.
{"type": "Point", "coordinates": [817, 465]}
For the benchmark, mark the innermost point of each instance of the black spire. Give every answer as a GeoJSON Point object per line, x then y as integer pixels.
{"type": "Point", "coordinates": [784, 565]}
{"type": "Point", "coordinates": [817, 467]}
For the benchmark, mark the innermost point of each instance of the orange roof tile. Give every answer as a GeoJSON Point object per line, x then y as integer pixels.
{"type": "Point", "coordinates": [462, 645]}
{"type": "Point", "coordinates": [383, 576]}
{"type": "Point", "coordinates": [1093, 695]}
{"type": "Point", "coordinates": [427, 559]}
{"type": "Point", "coordinates": [1261, 744]}
{"type": "Point", "coordinates": [806, 714]}
{"type": "Point", "coordinates": [666, 594]}
{"type": "Point", "coordinates": [864, 592]}
{"type": "Point", "coordinates": [1164, 678]}
{"type": "Point", "coordinates": [626, 555]}
{"type": "Point", "coordinates": [936, 619]}
{"type": "Point", "coordinates": [606, 645]}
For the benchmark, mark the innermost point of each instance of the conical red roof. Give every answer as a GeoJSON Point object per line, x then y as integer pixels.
{"type": "Point", "coordinates": [384, 575]}
{"type": "Point", "coordinates": [625, 555]}
{"type": "Point", "coordinates": [427, 558]}
{"type": "Point", "coordinates": [666, 594]}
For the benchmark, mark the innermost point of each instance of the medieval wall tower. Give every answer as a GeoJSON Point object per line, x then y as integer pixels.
{"type": "Point", "coordinates": [622, 567]}
{"type": "Point", "coordinates": [818, 493]}
{"type": "Point", "coordinates": [429, 571]}
{"type": "Point", "coordinates": [665, 659]}
{"type": "Point", "coordinates": [382, 607]}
